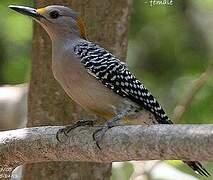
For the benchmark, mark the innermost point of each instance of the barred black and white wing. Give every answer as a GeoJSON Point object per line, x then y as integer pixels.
{"type": "Point", "coordinates": [116, 76]}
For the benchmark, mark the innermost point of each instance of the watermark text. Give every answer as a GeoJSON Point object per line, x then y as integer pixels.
{"type": "Point", "coordinates": [159, 2]}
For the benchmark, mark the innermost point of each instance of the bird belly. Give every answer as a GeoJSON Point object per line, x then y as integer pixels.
{"type": "Point", "coordinates": [87, 91]}
{"type": "Point", "coordinates": [94, 97]}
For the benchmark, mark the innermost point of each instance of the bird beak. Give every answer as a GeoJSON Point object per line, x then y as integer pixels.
{"type": "Point", "coordinates": [27, 11]}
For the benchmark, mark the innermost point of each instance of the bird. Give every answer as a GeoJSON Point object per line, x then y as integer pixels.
{"type": "Point", "coordinates": [94, 78]}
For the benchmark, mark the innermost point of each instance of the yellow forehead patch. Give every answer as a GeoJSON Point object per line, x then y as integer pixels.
{"type": "Point", "coordinates": [41, 10]}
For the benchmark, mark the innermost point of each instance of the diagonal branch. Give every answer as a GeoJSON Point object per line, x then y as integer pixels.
{"type": "Point", "coordinates": [124, 143]}
{"type": "Point", "coordinates": [180, 110]}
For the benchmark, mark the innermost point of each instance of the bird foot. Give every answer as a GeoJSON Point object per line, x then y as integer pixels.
{"type": "Point", "coordinates": [99, 133]}
{"type": "Point", "coordinates": [65, 131]}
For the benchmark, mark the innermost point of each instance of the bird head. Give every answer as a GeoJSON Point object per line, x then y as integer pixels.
{"type": "Point", "coordinates": [56, 20]}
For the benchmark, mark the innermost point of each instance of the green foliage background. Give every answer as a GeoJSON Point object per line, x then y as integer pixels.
{"type": "Point", "coordinates": [15, 44]}
{"type": "Point", "coordinates": [168, 51]}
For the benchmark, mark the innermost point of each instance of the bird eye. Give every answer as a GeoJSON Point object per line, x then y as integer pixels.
{"type": "Point", "coordinates": [54, 14]}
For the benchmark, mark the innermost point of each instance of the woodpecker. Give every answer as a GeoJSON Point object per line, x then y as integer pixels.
{"type": "Point", "coordinates": [94, 77]}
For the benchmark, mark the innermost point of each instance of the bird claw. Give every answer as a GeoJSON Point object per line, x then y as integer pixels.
{"type": "Point", "coordinates": [99, 134]}
{"type": "Point", "coordinates": [65, 131]}
{"type": "Point", "coordinates": [59, 133]}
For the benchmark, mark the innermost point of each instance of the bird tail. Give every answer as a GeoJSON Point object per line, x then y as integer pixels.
{"type": "Point", "coordinates": [198, 168]}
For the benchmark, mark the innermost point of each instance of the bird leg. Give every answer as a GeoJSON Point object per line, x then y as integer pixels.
{"type": "Point", "coordinates": [99, 133]}
{"type": "Point", "coordinates": [69, 128]}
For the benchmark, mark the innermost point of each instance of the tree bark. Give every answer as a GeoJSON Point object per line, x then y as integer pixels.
{"type": "Point", "coordinates": [107, 23]}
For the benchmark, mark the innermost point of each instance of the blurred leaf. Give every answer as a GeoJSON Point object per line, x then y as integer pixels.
{"type": "Point", "coordinates": [122, 172]}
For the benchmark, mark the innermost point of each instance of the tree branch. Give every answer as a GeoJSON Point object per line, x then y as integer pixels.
{"type": "Point", "coordinates": [180, 110]}
{"type": "Point", "coordinates": [124, 143]}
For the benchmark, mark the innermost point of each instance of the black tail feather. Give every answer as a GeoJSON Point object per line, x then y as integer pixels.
{"type": "Point", "coordinates": [198, 168]}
